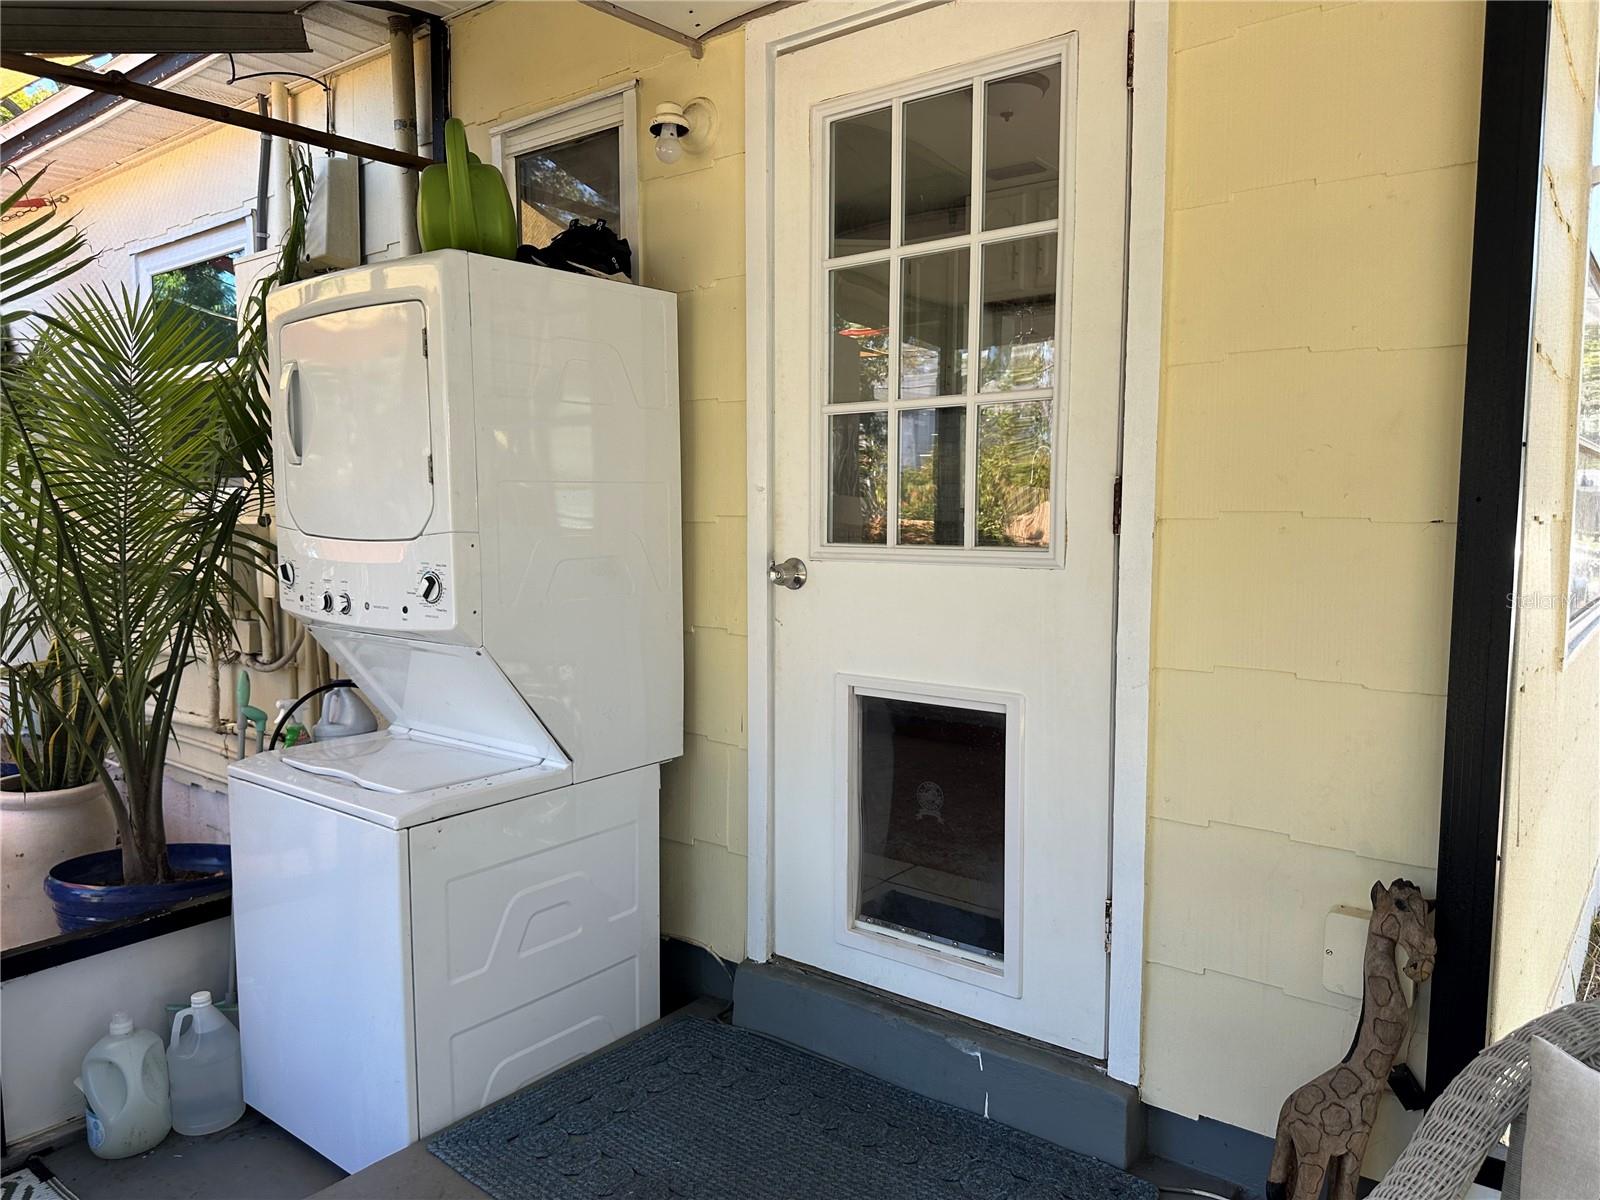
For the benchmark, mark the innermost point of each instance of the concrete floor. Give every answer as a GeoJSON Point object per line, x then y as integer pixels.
{"type": "Point", "coordinates": [251, 1160]}
{"type": "Point", "coordinates": [256, 1160]}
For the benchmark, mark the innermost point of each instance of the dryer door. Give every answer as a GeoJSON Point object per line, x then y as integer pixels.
{"type": "Point", "coordinates": [350, 416]}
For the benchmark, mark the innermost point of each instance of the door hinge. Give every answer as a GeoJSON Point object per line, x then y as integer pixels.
{"type": "Point", "coordinates": [1116, 508]}
{"type": "Point", "coordinates": [1130, 60]}
{"type": "Point", "coordinates": [1108, 924]}
{"type": "Point", "coordinates": [430, 469]}
{"type": "Point", "coordinates": [424, 343]}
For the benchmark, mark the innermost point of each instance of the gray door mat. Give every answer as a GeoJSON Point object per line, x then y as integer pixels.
{"type": "Point", "coordinates": [704, 1111]}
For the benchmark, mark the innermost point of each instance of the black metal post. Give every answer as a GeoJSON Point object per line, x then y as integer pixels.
{"type": "Point", "coordinates": [1483, 614]}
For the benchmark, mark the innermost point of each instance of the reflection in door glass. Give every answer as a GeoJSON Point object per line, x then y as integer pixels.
{"type": "Point", "coordinates": [1017, 330]}
{"type": "Point", "coordinates": [1014, 474]}
{"type": "Point", "coordinates": [938, 166]}
{"type": "Point", "coordinates": [859, 350]}
{"type": "Point", "coordinates": [933, 326]}
{"type": "Point", "coordinates": [861, 162]}
{"type": "Point", "coordinates": [1022, 148]}
{"type": "Point", "coordinates": [933, 445]}
{"type": "Point", "coordinates": [858, 474]}
{"type": "Point", "coordinates": [932, 822]}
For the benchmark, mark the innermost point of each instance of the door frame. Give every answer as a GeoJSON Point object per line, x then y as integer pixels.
{"type": "Point", "coordinates": [766, 40]}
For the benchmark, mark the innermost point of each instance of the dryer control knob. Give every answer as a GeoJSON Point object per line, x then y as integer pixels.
{"type": "Point", "coordinates": [286, 573]}
{"type": "Point", "coordinates": [327, 602]}
{"type": "Point", "coordinates": [344, 604]}
{"type": "Point", "coordinates": [432, 588]}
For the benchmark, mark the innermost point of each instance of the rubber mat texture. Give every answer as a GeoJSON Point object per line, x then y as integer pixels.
{"type": "Point", "coordinates": [702, 1111]}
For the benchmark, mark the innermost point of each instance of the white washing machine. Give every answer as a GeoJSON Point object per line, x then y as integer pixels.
{"type": "Point", "coordinates": [478, 512]}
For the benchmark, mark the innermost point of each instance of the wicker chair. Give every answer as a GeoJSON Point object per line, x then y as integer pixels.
{"type": "Point", "coordinates": [1470, 1115]}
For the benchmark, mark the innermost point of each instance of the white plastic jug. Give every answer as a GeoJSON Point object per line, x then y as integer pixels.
{"type": "Point", "coordinates": [203, 1062]}
{"type": "Point", "coordinates": [124, 1086]}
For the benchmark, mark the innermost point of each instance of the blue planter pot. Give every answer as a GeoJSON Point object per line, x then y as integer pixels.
{"type": "Point", "coordinates": [88, 890]}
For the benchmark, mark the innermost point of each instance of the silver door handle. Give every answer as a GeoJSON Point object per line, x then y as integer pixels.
{"type": "Point", "coordinates": [289, 387]}
{"type": "Point", "coordinates": [790, 573]}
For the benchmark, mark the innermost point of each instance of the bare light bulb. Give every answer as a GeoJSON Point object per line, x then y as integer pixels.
{"type": "Point", "coordinates": [669, 148]}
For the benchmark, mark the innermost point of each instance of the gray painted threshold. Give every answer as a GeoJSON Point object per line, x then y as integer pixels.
{"type": "Point", "coordinates": [1050, 1093]}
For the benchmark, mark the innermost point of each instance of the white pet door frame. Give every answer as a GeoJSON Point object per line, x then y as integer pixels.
{"type": "Point", "coordinates": [1000, 972]}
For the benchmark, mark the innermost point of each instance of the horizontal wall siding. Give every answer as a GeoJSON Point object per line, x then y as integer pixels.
{"type": "Point", "coordinates": [1551, 832]}
{"type": "Point", "coordinates": [1321, 167]}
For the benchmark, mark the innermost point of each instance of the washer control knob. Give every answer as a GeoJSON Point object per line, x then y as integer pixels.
{"type": "Point", "coordinates": [286, 573]}
{"type": "Point", "coordinates": [432, 588]}
{"type": "Point", "coordinates": [344, 604]}
{"type": "Point", "coordinates": [327, 602]}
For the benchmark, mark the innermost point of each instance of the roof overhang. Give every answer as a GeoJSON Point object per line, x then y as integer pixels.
{"type": "Point", "coordinates": [173, 26]}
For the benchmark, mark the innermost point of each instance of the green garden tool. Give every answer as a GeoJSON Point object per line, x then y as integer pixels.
{"type": "Point", "coordinates": [462, 204]}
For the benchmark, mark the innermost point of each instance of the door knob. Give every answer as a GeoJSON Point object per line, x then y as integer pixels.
{"type": "Point", "coordinates": [790, 573]}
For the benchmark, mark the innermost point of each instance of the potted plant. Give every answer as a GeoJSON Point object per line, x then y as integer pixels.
{"type": "Point", "coordinates": [52, 805]}
{"type": "Point", "coordinates": [128, 470]}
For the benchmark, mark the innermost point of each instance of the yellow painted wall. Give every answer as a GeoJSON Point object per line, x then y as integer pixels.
{"type": "Point", "coordinates": [513, 60]}
{"type": "Point", "coordinates": [1320, 183]}
{"type": "Point", "coordinates": [1551, 829]}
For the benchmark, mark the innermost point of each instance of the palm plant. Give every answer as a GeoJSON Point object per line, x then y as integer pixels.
{"type": "Point", "coordinates": [121, 521]}
{"type": "Point", "coordinates": [38, 251]}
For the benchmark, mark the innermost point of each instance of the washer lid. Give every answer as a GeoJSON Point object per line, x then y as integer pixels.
{"type": "Point", "coordinates": [398, 779]}
{"type": "Point", "coordinates": [400, 765]}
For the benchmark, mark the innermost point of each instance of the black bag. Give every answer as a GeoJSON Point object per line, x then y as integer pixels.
{"type": "Point", "coordinates": [592, 249]}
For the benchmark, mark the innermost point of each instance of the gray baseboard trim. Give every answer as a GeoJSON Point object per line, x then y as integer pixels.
{"type": "Point", "coordinates": [1219, 1149]}
{"type": "Point", "coordinates": [1050, 1093]}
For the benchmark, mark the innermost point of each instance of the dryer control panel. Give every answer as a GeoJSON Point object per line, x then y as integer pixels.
{"type": "Point", "coordinates": [429, 587]}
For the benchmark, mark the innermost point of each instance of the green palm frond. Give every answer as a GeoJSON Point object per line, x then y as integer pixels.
{"type": "Point", "coordinates": [123, 524]}
{"type": "Point", "coordinates": [39, 253]}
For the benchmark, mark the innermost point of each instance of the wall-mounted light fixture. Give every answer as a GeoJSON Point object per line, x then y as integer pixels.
{"type": "Point", "coordinates": [680, 128]}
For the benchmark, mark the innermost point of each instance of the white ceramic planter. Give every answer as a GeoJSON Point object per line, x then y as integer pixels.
{"type": "Point", "coordinates": [38, 830]}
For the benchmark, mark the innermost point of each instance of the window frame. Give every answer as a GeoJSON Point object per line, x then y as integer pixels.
{"type": "Point", "coordinates": [613, 108]}
{"type": "Point", "coordinates": [1581, 625]}
{"type": "Point", "coordinates": [1060, 52]}
{"type": "Point", "coordinates": [201, 242]}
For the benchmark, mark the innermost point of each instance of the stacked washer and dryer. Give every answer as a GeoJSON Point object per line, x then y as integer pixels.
{"type": "Point", "coordinates": [478, 506]}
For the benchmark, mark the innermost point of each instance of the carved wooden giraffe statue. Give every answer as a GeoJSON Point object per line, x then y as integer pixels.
{"type": "Point", "coordinates": [1324, 1125]}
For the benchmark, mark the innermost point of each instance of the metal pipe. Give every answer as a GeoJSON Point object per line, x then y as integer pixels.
{"type": "Point", "coordinates": [282, 164]}
{"type": "Point", "coordinates": [438, 81]}
{"type": "Point", "coordinates": [263, 174]}
{"type": "Point", "coordinates": [403, 89]}
{"type": "Point", "coordinates": [115, 83]}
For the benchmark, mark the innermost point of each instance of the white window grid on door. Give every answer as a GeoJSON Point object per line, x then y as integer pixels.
{"type": "Point", "coordinates": [1060, 51]}
{"type": "Point", "coordinates": [615, 108]}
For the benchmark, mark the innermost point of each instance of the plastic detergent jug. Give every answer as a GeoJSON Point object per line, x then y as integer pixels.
{"type": "Point", "coordinates": [203, 1061]}
{"type": "Point", "coordinates": [124, 1086]}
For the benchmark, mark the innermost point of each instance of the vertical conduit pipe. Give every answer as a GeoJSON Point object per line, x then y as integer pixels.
{"type": "Point", "coordinates": [403, 90]}
{"type": "Point", "coordinates": [263, 174]}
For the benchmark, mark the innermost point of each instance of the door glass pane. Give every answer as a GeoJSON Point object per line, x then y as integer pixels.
{"type": "Point", "coordinates": [933, 326]}
{"type": "Point", "coordinates": [862, 155]}
{"type": "Point", "coordinates": [1018, 325]}
{"type": "Point", "coordinates": [858, 474]}
{"type": "Point", "coordinates": [938, 166]}
{"type": "Point", "coordinates": [1022, 148]}
{"type": "Point", "coordinates": [859, 348]}
{"type": "Point", "coordinates": [1014, 474]}
{"type": "Point", "coordinates": [581, 178]}
{"type": "Point", "coordinates": [933, 444]}
{"type": "Point", "coordinates": [932, 787]}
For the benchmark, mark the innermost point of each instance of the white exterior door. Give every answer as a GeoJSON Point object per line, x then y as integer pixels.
{"type": "Point", "coordinates": [947, 289]}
